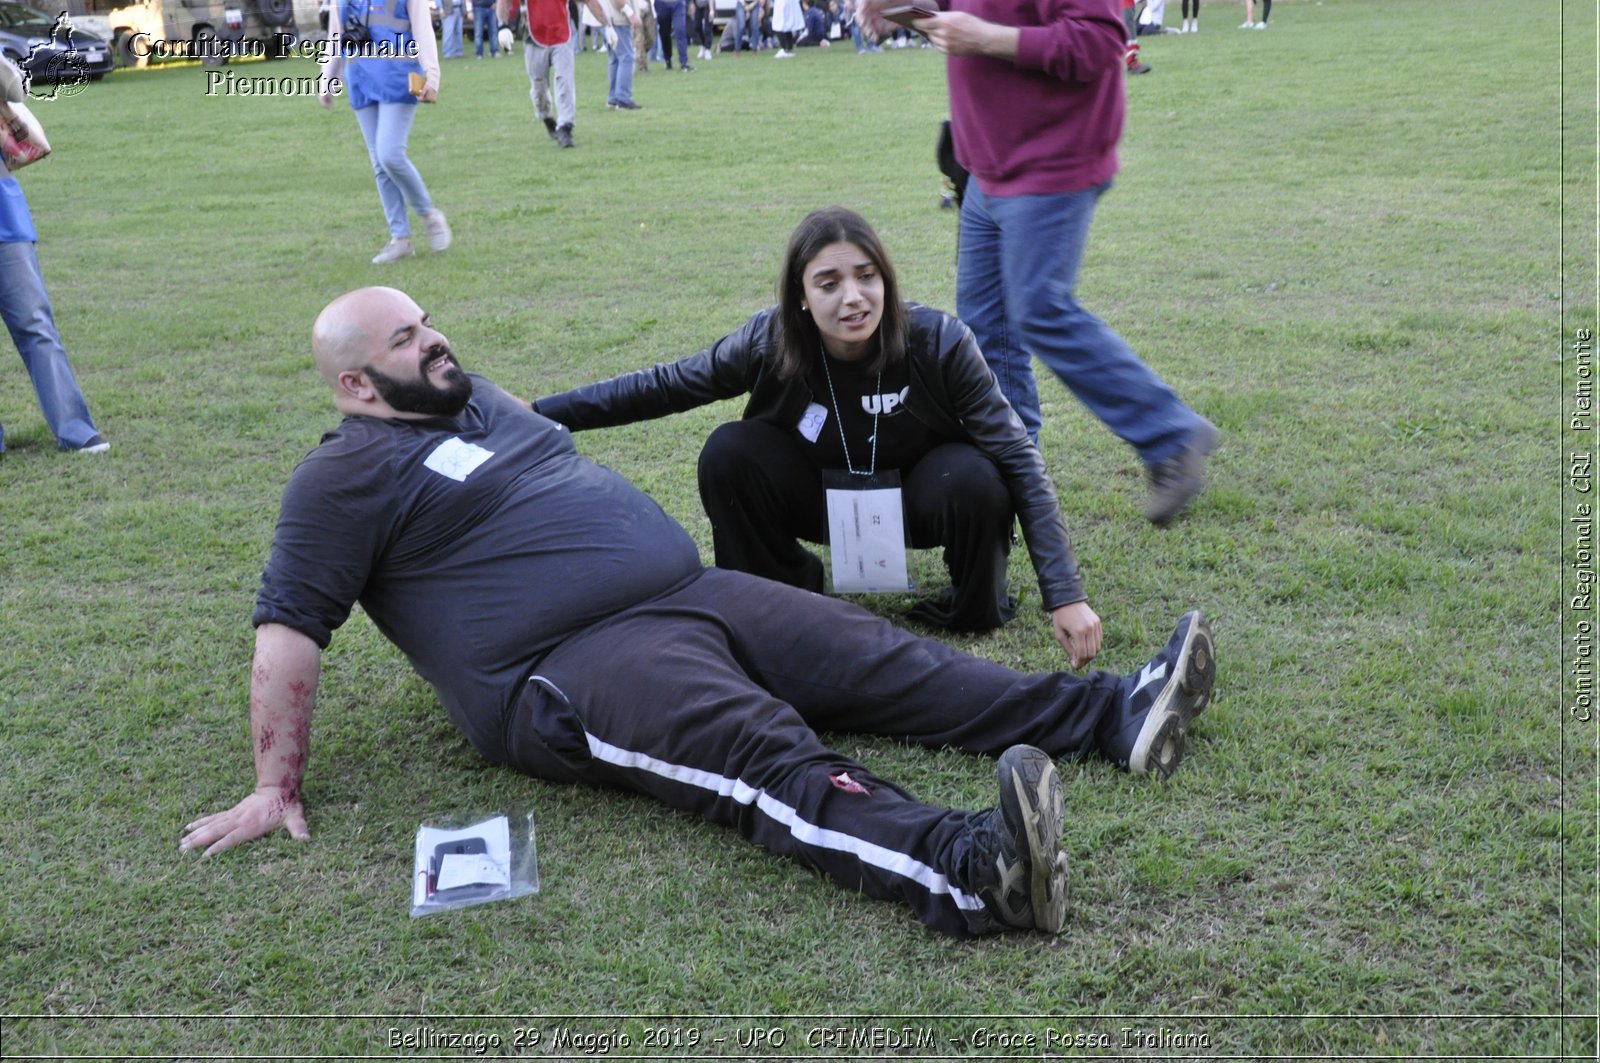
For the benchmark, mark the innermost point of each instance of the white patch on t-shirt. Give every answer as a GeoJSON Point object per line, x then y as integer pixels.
{"type": "Point", "coordinates": [811, 423]}
{"type": "Point", "coordinates": [456, 459]}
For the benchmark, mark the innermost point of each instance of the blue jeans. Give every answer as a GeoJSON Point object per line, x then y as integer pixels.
{"type": "Point", "coordinates": [669, 15]}
{"type": "Point", "coordinates": [861, 43]}
{"type": "Point", "coordinates": [484, 21]}
{"type": "Point", "coordinates": [1015, 275]}
{"type": "Point", "coordinates": [619, 68]}
{"type": "Point", "coordinates": [25, 307]}
{"type": "Point", "coordinates": [746, 29]}
{"type": "Point", "coordinates": [450, 30]}
{"type": "Point", "coordinates": [386, 127]}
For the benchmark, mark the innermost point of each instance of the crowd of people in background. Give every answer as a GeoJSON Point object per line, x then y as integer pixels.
{"type": "Point", "coordinates": [1151, 17]}
{"type": "Point", "coordinates": [691, 24]}
{"type": "Point", "coordinates": [782, 26]}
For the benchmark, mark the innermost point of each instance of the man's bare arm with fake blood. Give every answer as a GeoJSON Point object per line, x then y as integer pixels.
{"type": "Point", "coordinates": [283, 691]}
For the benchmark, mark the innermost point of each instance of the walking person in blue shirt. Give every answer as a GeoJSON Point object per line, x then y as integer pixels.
{"type": "Point", "coordinates": [375, 46]}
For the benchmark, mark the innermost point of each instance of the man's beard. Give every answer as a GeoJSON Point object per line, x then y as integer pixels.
{"type": "Point", "coordinates": [421, 395]}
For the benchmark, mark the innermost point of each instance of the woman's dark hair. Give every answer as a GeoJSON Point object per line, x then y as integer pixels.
{"type": "Point", "coordinates": [801, 344]}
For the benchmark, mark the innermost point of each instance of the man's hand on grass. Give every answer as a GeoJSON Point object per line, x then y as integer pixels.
{"type": "Point", "coordinates": [263, 812]}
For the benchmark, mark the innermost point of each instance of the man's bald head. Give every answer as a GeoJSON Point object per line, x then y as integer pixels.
{"type": "Point", "coordinates": [382, 357]}
{"type": "Point", "coordinates": [352, 328]}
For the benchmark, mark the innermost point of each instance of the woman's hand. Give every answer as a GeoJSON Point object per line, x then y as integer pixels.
{"type": "Point", "coordinates": [1077, 628]}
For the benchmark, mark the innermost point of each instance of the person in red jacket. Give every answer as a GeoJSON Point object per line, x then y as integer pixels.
{"type": "Point", "coordinates": [548, 31]}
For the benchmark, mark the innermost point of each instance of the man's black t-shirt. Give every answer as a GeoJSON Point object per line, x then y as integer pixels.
{"type": "Point", "coordinates": [474, 542]}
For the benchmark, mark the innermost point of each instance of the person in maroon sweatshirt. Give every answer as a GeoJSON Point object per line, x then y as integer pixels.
{"type": "Point", "coordinates": [1036, 108]}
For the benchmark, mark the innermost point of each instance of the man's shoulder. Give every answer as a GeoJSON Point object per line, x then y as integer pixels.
{"type": "Point", "coordinates": [344, 453]}
{"type": "Point", "coordinates": [352, 433]}
{"type": "Point", "coordinates": [486, 392]}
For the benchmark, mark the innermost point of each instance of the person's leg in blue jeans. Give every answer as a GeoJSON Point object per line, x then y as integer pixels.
{"type": "Point", "coordinates": [450, 31]}
{"type": "Point", "coordinates": [1016, 275]}
{"type": "Point", "coordinates": [980, 302]}
{"type": "Point", "coordinates": [25, 308]}
{"type": "Point", "coordinates": [664, 30]}
{"type": "Point", "coordinates": [386, 127]}
{"type": "Point", "coordinates": [753, 26]}
{"type": "Point", "coordinates": [620, 67]}
{"type": "Point", "coordinates": [494, 32]}
{"type": "Point", "coordinates": [670, 14]}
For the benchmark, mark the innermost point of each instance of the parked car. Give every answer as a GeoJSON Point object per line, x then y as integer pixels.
{"type": "Point", "coordinates": [49, 47]}
{"type": "Point", "coordinates": [213, 31]}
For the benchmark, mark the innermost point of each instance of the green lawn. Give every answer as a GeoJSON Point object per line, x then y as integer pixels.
{"type": "Point", "coordinates": [1359, 242]}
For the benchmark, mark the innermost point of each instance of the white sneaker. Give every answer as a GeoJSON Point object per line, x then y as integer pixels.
{"type": "Point", "coordinates": [782, 54]}
{"type": "Point", "coordinates": [1247, 25]}
{"type": "Point", "coordinates": [439, 236]}
{"type": "Point", "coordinates": [1194, 27]}
{"type": "Point", "coordinates": [1261, 25]}
{"type": "Point", "coordinates": [393, 250]}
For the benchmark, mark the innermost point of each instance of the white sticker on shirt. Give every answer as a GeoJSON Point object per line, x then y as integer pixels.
{"type": "Point", "coordinates": [811, 423]}
{"type": "Point", "coordinates": [456, 459]}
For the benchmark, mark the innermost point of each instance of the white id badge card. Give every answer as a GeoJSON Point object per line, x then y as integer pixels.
{"type": "Point", "coordinates": [866, 532]}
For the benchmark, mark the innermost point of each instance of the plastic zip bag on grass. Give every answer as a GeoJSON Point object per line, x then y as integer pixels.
{"type": "Point", "coordinates": [473, 862]}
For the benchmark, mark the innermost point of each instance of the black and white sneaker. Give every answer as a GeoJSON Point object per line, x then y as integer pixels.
{"type": "Point", "coordinates": [1018, 867]}
{"type": "Point", "coordinates": [1161, 700]}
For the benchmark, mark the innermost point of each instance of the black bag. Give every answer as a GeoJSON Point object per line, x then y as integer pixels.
{"type": "Point", "coordinates": [946, 155]}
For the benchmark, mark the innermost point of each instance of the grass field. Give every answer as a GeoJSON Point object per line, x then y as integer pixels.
{"type": "Point", "coordinates": [1359, 242]}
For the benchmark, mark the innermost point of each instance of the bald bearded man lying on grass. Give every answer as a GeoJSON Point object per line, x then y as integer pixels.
{"type": "Point", "coordinates": [570, 631]}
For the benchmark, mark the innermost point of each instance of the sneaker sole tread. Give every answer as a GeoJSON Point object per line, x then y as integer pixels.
{"type": "Point", "coordinates": [1043, 816]}
{"type": "Point", "coordinates": [1163, 740]}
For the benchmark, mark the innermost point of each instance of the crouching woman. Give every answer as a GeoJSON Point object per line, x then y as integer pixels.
{"type": "Point", "coordinates": [847, 382]}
